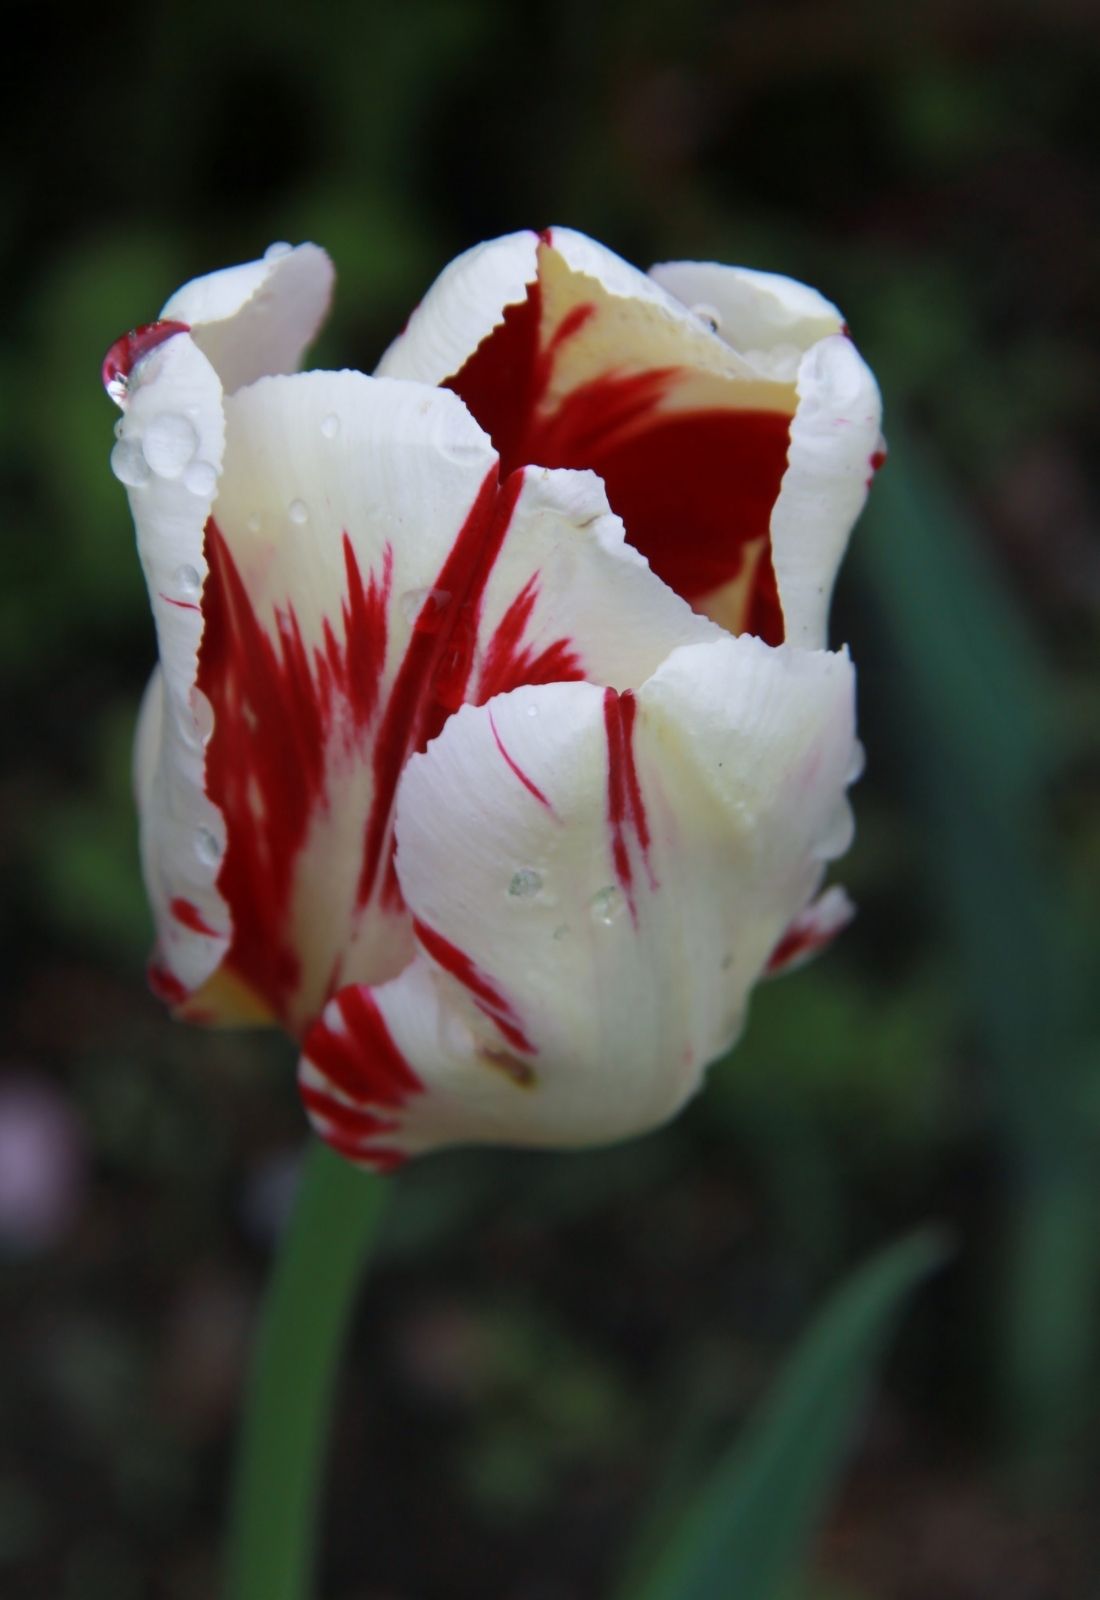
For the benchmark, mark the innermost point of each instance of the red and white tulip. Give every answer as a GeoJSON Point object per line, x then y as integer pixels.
{"type": "Point", "coordinates": [494, 749]}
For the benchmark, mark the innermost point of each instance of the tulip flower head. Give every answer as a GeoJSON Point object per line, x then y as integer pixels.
{"type": "Point", "coordinates": [494, 750]}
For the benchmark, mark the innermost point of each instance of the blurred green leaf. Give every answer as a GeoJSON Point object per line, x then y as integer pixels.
{"type": "Point", "coordinates": [747, 1534]}
{"type": "Point", "coordinates": [980, 727]}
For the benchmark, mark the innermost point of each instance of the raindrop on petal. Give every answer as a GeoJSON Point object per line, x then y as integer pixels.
{"type": "Point", "coordinates": [208, 847]}
{"type": "Point", "coordinates": [187, 580]}
{"type": "Point", "coordinates": [607, 906]}
{"type": "Point", "coordinates": [128, 463]}
{"type": "Point", "coordinates": [330, 425]}
{"type": "Point", "coordinates": [200, 479]}
{"type": "Point", "coordinates": [709, 315]}
{"type": "Point", "coordinates": [279, 248]}
{"type": "Point", "coordinates": [525, 883]}
{"type": "Point", "coordinates": [298, 512]}
{"type": "Point", "coordinates": [170, 443]}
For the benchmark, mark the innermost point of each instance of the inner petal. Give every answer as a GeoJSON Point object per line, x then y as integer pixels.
{"type": "Point", "coordinates": [692, 457]}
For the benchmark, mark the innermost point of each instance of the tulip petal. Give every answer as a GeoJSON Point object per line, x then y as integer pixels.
{"type": "Point", "coordinates": [836, 447]}
{"type": "Point", "coordinates": [368, 575]}
{"type": "Point", "coordinates": [597, 880]}
{"type": "Point", "coordinates": [258, 318]}
{"type": "Point", "coordinates": [169, 453]}
{"type": "Point", "coordinates": [570, 357]}
{"type": "Point", "coordinates": [769, 319]}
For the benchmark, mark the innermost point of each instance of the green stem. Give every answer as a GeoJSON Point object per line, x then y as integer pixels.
{"type": "Point", "coordinates": [272, 1525]}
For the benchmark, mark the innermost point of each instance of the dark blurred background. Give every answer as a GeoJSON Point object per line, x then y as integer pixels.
{"type": "Point", "coordinates": [543, 1335]}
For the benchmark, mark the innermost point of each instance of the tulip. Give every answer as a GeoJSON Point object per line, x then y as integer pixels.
{"type": "Point", "coordinates": [494, 750]}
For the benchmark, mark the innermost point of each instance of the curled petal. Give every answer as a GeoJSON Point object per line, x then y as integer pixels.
{"type": "Point", "coordinates": [259, 318]}
{"type": "Point", "coordinates": [596, 880]}
{"type": "Point", "coordinates": [836, 445]}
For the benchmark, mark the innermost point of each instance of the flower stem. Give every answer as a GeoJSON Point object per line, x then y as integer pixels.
{"type": "Point", "coordinates": [273, 1514]}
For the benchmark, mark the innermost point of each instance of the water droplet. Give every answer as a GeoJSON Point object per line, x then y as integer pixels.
{"type": "Point", "coordinates": [298, 512]}
{"type": "Point", "coordinates": [330, 425]}
{"type": "Point", "coordinates": [200, 479]}
{"type": "Point", "coordinates": [208, 847]}
{"type": "Point", "coordinates": [128, 463]}
{"type": "Point", "coordinates": [279, 248]}
{"type": "Point", "coordinates": [532, 711]}
{"type": "Point", "coordinates": [424, 608]}
{"type": "Point", "coordinates": [709, 315]}
{"type": "Point", "coordinates": [198, 728]}
{"type": "Point", "coordinates": [170, 443]}
{"type": "Point", "coordinates": [125, 354]}
{"type": "Point", "coordinates": [470, 451]}
{"type": "Point", "coordinates": [525, 883]}
{"type": "Point", "coordinates": [254, 522]}
{"type": "Point", "coordinates": [187, 580]}
{"type": "Point", "coordinates": [607, 906]}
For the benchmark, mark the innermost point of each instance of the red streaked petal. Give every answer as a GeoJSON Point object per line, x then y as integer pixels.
{"type": "Point", "coordinates": [811, 931]}
{"type": "Point", "coordinates": [580, 963]}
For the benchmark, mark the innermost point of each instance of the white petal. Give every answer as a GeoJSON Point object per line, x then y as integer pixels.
{"type": "Point", "coordinates": [169, 451]}
{"type": "Point", "coordinates": [370, 575]}
{"type": "Point", "coordinates": [589, 935]}
{"type": "Point", "coordinates": [835, 437]}
{"type": "Point", "coordinates": [767, 318]}
{"type": "Point", "coordinates": [465, 303]}
{"type": "Point", "coordinates": [258, 318]}
{"type": "Point", "coordinates": [815, 927]}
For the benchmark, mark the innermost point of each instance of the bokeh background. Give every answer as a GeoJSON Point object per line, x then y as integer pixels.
{"type": "Point", "coordinates": [544, 1339]}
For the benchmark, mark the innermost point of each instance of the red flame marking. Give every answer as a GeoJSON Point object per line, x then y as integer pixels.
{"type": "Point", "coordinates": [432, 679]}
{"type": "Point", "coordinates": [125, 353]}
{"type": "Point", "coordinates": [528, 783]}
{"type": "Point", "coordinates": [487, 997]}
{"type": "Point", "coordinates": [625, 803]}
{"type": "Point", "coordinates": [508, 662]}
{"type": "Point", "coordinates": [188, 915]}
{"type": "Point", "coordinates": [265, 763]}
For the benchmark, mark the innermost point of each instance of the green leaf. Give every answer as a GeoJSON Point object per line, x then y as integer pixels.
{"type": "Point", "coordinates": [747, 1534]}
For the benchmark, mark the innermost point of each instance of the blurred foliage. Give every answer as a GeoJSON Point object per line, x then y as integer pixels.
{"type": "Point", "coordinates": [542, 1329]}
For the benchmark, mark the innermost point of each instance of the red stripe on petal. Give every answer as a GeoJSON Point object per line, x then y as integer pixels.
{"type": "Point", "coordinates": [432, 679]}
{"type": "Point", "coordinates": [508, 662]}
{"type": "Point", "coordinates": [513, 765]}
{"type": "Point", "coordinates": [359, 1057]}
{"type": "Point", "coordinates": [626, 812]}
{"type": "Point", "coordinates": [164, 984]}
{"type": "Point", "coordinates": [125, 353]}
{"type": "Point", "coordinates": [189, 916]}
{"type": "Point", "coordinates": [487, 996]}
{"type": "Point", "coordinates": [351, 1121]}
